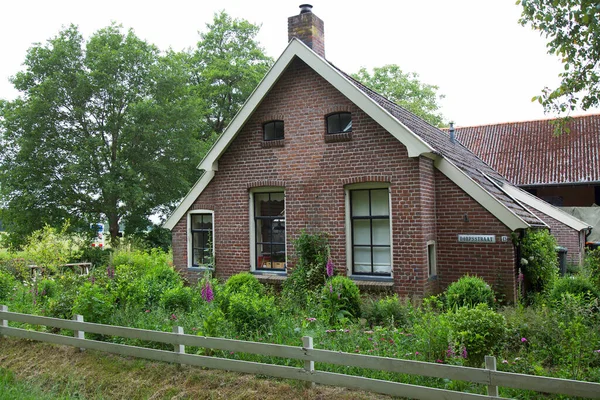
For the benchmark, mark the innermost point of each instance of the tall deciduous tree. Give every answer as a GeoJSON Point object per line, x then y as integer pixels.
{"type": "Point", "coordinates": [102, 129]}
{"type": "Point", "coordinates": [228, 63]}
{"type": "Point", "coordinates": [404, 89]}
{"type": "Point", "coordinates": [573, 30]}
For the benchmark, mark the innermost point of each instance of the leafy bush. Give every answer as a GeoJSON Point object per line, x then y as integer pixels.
{"type": "Point", "coordinates": [142, 278]}
{"type": "Point", "coordinates": [7, 284]}
{"type": "Point", "coordinates": [309, 273]}
{"type": "Point", "coordinates": [539, 259]}
{"type": "Point", "coordinates": [469, 291]}
{"type": "Point", "coordinates": [591, 266]}
{"type": "Point", "coordinates": [94, 303]}
{"type": "Point", "coordinates": [249, 312]}
{"type": "Point", "coordinates": [390, 311]}
{"type": "Point", "coordinates": [61, 304]}
{"type": "Point", "coordinates": [340, 298]}
{"type": "Point", "coordinates": [243, 282]}
{"type": "Point", "coordinates": [480, 330]}
{"type": "Point", "coordinates": [47, 288]}
{"type": "Point", "coordinates": [98, 256]}
{"type": "Point", "coordinates": [576, 285]}
{"type": "Point", "coordinates": [431, 331]}
{"type": "Point", "coordinates": [177, 298]}
{"type": "Point", "coordinates": [50, 248]}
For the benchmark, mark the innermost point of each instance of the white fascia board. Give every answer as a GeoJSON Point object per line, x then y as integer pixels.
{"type": "Point", "coordinates": [546, 208]}
{"type": "Point", "coordinates": [480, 195]}
{"type": "Point", "coordinates": [189, 199]}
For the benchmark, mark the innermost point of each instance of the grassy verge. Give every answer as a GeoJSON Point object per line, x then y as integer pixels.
{"type": "Point", "coordinates": [59, 372]}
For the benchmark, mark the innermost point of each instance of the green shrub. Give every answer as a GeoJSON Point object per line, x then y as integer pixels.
{"type": "Point", "coordinates": [480, 330]}
{"type": "Point", "coordinates": [539, 260]}
{"type": "Point", "coordinates": [47, 288]}
{"type": "Point", "coordinates": [61, 304]}
{"type": "Point", "coordinates": [431, 331]}
{"type": "Point", "coordinates": [249, 312]}
{"type": "Point", "coordinates": [94, 303]}
{"type": "Point", "coordinates": [576, 285]}
{"type": "Point", "coordinates": [49, 248]}
{"type": "Point", "coordinates": [309, 273]}
{"type": "Point", "coordinates": [591, 266]}
{"type": "Point", "coordinates": [98, 256]}
{"type": "Point", "coordinates": [177, 298]}
{"type": "Point", "coordinates": [388, 311]}
{"type": "Point", "coordinates": [469, 291]}
{"type": "Point", "coordinates": [244, 282]}
{"type": "Point", "coordinates": [7, 284]}
{"type": "Point", "coordinates": [340, 297]}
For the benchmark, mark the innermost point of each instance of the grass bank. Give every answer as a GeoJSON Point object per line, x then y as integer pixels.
{"type": "Point", "coordinates": [59, 372]}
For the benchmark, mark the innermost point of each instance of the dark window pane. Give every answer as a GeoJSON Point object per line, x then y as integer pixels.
{"type": "Point", "coordinates": [340, 122]}
{"type": "Point", "coordinates": [273, 130]}
{"type": "Point", "coordinates": [269, 220]}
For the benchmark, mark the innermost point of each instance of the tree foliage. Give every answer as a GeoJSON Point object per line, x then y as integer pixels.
{"type": "Point", "coordinates": [227, 64]}
{"type": "Point", "coordinates": [573, 30]}
{"type": "Point", "coordinates": [404, 89]}
{"type": "Point", "coordinates": [112, 129]}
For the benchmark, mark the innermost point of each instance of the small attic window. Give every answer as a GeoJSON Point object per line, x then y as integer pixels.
{"type": "Point", "coordinates": [339, 122]}
{"type": "Point", "coordinates": [273, 130]}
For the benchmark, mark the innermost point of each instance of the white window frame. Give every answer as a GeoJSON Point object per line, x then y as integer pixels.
{"type": "Point", "coordinates": [190, 239]}
{"type": "Point", "coordinates": [431, 272]}
{"type": "Point", "coordinates": [349, 259]}
{"type": "Point", "coordinates": [252, 224]}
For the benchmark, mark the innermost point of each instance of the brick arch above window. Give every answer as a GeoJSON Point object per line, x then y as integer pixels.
{"type": "Point", "coordinates": [366, 179]}
{"type": "Point", "coordinates": [337, 108]}
{"type": "Point", "coordinates": [266, 183]}
{"type": "Point", "coordinates": [202, 206]}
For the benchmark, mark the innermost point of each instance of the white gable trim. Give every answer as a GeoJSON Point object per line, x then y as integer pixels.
{"type": "Point", "coordinates": [188, 200]}
{"type": "Point", "coordinates": [544, 207]}
{"type": "Point", "coordinates": [479, 194]}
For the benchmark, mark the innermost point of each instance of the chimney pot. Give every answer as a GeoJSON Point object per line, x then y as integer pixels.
{"type": "Point", "coordinates": [305, 8]}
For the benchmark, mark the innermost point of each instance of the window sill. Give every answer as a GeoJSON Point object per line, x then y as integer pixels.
{"type": "Point", "coordinates": [267, 144]}
{"type": "Point", "coordinates": [200, 269]}
{"type": "Point", "coordinates": [276, 278]}
{"type": "Point", "coordinates": [338, 137]}
{"type": "Point", "coordinates": [373, 282]}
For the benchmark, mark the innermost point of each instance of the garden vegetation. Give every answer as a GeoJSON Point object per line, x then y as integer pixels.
{"type": "Point", "coordinates": [556, 334]}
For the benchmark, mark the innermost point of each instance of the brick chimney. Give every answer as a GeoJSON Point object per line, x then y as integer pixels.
{"type": "Point", "coordinates": [309, 28]}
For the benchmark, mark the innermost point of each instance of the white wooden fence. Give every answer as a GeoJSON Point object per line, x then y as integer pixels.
{"type": "Point", "coordinates": [488, 376]}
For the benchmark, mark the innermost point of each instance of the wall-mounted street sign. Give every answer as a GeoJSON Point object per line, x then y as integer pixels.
{"type": "Point", "coordinates": [477, 238]}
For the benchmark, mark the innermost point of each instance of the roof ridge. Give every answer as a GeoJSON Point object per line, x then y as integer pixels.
{"type": "Point", "coordinates": [525, 121]}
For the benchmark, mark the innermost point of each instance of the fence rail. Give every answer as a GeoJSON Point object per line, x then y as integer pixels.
{"type": "Point", "coordinates": [489, 376]}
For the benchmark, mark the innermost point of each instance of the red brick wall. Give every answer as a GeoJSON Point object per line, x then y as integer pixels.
{"type": "Point", "coordinates": [565, 236]}
{"type": "Point", "coordinates": [314, 173]}
{"type": "Point", "coordinates": [495, 263]}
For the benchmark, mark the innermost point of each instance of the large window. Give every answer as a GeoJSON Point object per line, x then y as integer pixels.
{"type": "Point", "coordinates": [339, 123]}
{"type": "Point", "coordinates": [269, 231]}
{"type": "Point", "coordinates": [370, 221]}
{"type": "Point", "coordinates": [201, 239]}
{"type": "Point", "coordinates": [273, 130]}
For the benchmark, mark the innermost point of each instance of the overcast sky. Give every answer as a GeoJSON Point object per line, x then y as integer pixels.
{"type": "Point", "coordinates": [486, 64]}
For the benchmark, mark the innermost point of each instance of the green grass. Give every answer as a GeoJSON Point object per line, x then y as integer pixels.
{"type": "Point", "coordinates": [12, 388]}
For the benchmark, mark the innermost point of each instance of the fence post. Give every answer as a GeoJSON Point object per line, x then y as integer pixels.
{"type": "Point", "coordinates": [309, 366]}
{"type": "Point", "coordinates": [490, 364]}
{"type": "Point", "coordinates": [79, 334]}
{"type": "Point", "coordinates": [4, 322]}
{"type": "Point", "coordinates": [179, 348]}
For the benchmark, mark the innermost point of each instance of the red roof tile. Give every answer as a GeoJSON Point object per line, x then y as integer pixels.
{"type": "Point", "coordinates": [528, 153]}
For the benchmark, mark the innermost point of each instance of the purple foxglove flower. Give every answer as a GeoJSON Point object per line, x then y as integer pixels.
{"type": "Point", "coordinates": [464, 352]}
{"type": "Point", "coordinates": [329, 268]}
{"type": "Point", "coordinates": [207, 292]}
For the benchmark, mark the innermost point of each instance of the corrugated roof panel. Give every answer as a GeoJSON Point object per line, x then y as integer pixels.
{"type": "Point", "coordinates": [528, 153]}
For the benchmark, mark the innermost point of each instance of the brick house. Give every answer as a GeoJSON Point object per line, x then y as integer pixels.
{"type": "Point", "coordinates": [405, 205]}
{"type": "Point", "coordinates": [563, 170]}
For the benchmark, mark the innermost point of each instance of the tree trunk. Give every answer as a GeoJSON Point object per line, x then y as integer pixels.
{"type": "Point", "coordinates": [113, 227]}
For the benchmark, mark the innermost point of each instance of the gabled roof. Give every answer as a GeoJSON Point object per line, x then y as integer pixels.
{"type": "Point", "coordinates": [528, 153]}
{"type": "Point", "coordinates": [420, 138]}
